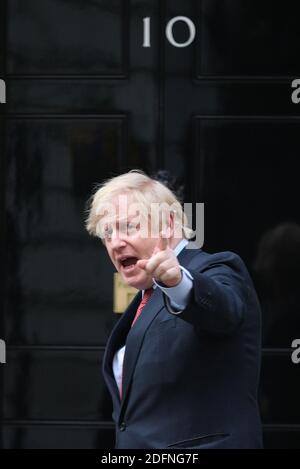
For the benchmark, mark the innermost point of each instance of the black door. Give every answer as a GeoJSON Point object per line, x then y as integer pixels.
{"type": "Point", "coordinates": [86, 101]}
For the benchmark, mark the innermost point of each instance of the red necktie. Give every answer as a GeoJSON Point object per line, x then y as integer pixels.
{"type": "Point", "coordinates": [147, 294]}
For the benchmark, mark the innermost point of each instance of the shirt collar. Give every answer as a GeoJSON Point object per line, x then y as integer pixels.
{"type": "Point", "coordinates": [180, 246]}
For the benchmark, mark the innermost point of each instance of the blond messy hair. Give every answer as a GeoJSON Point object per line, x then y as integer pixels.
{"type": "Point", "coordinates": [145, 191]}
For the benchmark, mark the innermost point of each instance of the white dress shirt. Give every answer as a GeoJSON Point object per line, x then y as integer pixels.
{"type": "Point", "coordinates": [179, 298]}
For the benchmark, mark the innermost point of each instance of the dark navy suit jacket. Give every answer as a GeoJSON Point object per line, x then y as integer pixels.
{"type": "Point", "coordinates": [190, 381]}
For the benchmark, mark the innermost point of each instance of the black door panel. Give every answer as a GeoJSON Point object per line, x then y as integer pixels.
{"type": "Point", "coordinates": [85, 101]}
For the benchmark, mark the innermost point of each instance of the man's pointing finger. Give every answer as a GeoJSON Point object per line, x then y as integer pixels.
{"type": "Point", "coordinates": [163, 241]}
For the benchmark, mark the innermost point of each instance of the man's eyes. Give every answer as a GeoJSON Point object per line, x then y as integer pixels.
{"type": "Point", "coordinates": [128, 228]}
{"type": "Point", "coordinates": [107, 234]}
{"type": "Point", "coordinates": [131, 226]}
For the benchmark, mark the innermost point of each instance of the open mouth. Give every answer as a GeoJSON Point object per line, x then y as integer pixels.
{"type": "Point", "coordinates": [129, 263]}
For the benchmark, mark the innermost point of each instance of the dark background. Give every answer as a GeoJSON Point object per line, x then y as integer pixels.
{"type": "Point", "coordinates": [85, 102]}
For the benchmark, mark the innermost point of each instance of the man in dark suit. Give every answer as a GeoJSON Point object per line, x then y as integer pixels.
{"type": "Point", "coordinates": [182, 364]}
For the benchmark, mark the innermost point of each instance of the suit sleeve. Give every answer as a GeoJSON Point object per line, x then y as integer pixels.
{"type": "Point", "coordinates": [219, 298]}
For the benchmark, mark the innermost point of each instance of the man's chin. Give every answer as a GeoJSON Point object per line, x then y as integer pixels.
{"type": "Point", "coordinates": [135, 282]}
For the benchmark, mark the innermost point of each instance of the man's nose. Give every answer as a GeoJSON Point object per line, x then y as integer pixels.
{"type": "Point", "coordinates": [117, 241]}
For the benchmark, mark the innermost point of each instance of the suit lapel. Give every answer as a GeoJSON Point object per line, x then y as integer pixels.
{"type": "Point", "coordinates": [116, 340]}
{"type": "Point", "coordinates": [135, 338]}
{"type": "Point", "coordinates": [187, 254]}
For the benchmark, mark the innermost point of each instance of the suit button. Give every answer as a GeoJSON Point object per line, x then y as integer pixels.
{"type": "Point", "coordinates": [122, 427]}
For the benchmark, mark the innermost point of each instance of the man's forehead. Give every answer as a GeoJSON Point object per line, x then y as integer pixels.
{"type": "Point", "coordinates": [107, 219]}
{"type": "Point", "coordinates": [119, 218]}
{"type": "Point", "coordinates": [122, 208]}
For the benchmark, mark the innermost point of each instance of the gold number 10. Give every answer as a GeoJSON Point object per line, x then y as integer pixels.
{"type": "Point", "coordinates": [169, 31]}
